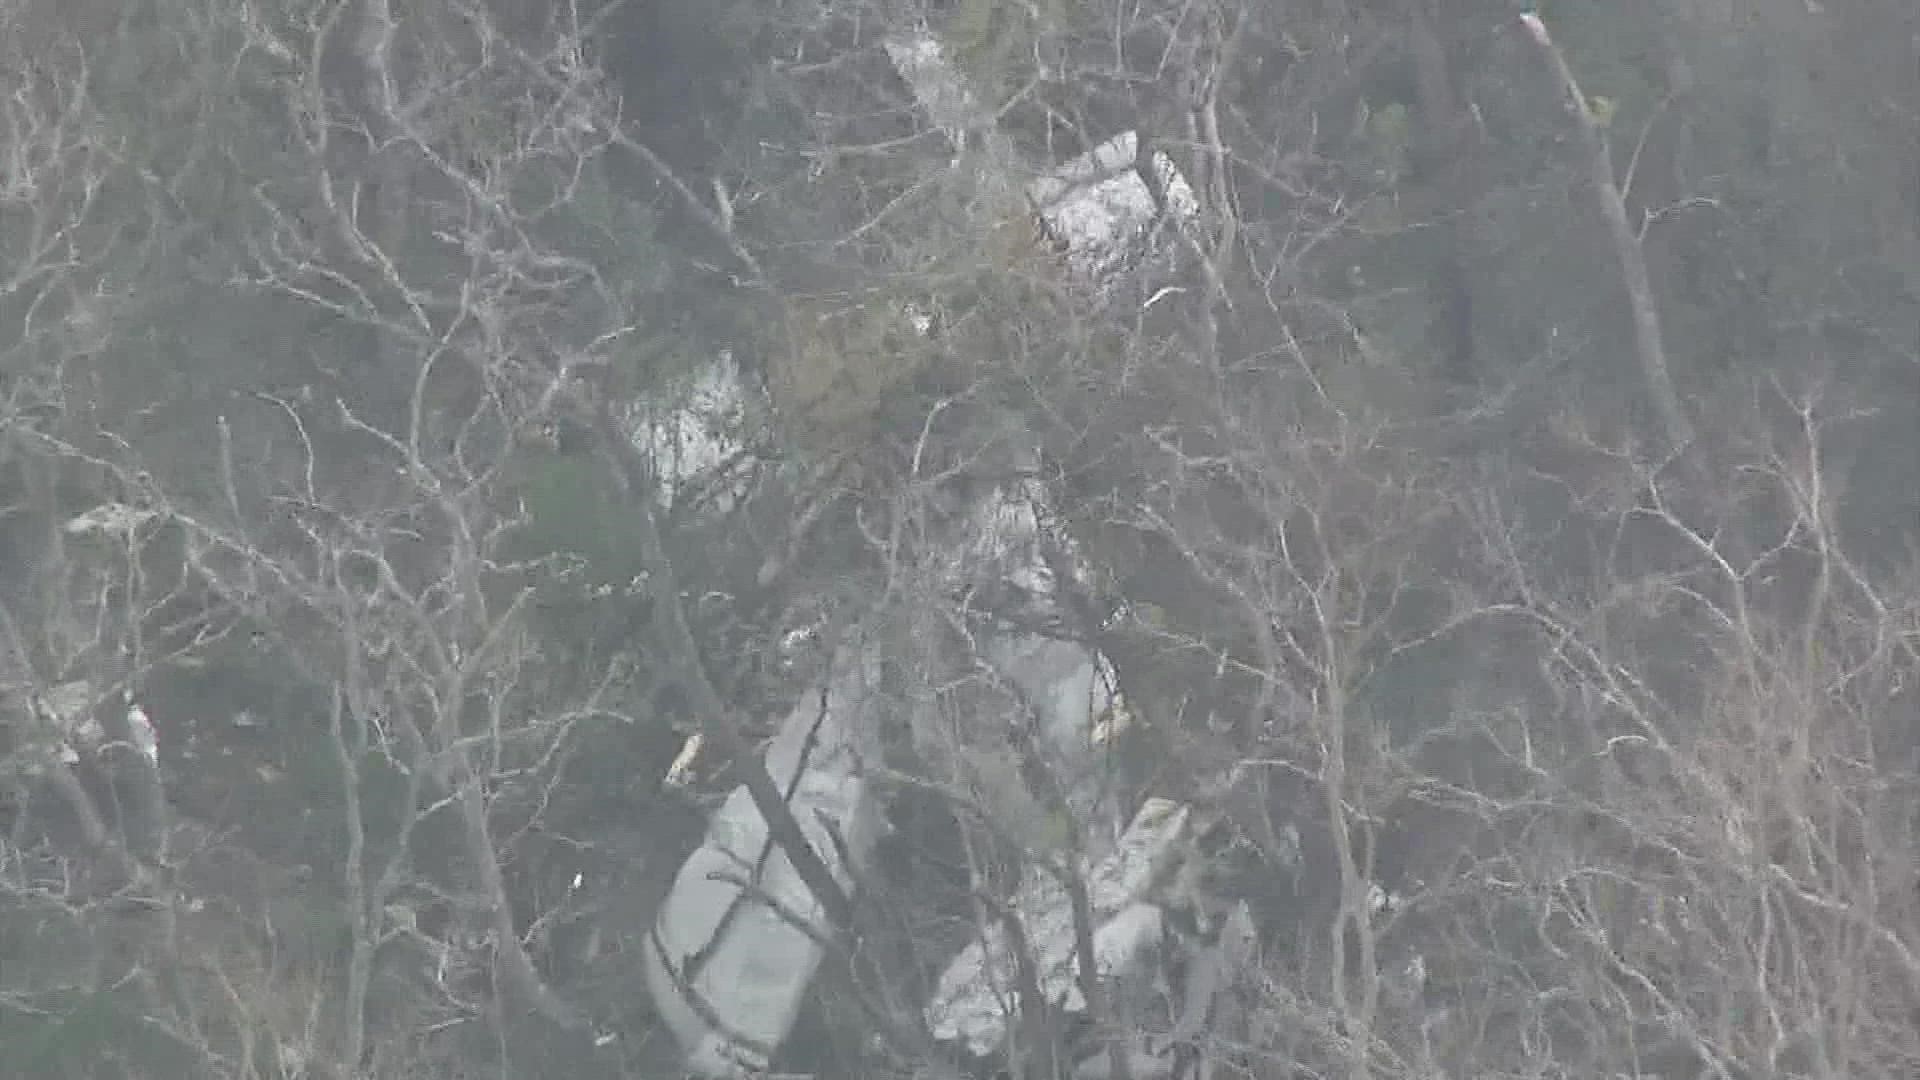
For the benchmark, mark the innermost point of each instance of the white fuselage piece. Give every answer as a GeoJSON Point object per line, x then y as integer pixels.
{"type": "Point", "coordinates": [738, 939]}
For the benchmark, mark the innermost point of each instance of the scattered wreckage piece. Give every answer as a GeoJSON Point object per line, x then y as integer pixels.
{"type": "Point", "coordinates": [1005, 565]}
{"type": "Point", "coordinates": [62, 724]}
{"type": "Point", "coordinates": [697, 434]}
{"type": "Point", "coordinates": [1205, 1013]}
{"type": "Point", "coordinates": [738, 939]}
{"type": "Point", "coordinates": [1101, 207]}
{"type": "Point", "coordinates": [974, 1004]}
{"type": "Point", "coordinates": [939, 90]}
{"type": "Point", "coordinates": [1104, 205]}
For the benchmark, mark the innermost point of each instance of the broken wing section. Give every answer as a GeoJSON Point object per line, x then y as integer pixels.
{"type": "Point", "coordinates": [1104, 205]}
{"type": "Point", "coordinates": [974, 1003]}
{"type": "Point", "coordinates": [740, 936]}
{"type": "Point", "coordinates": [1002, 564]}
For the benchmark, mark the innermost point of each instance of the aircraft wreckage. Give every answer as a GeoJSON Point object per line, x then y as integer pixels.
{"type": "Point", "coordinates": [739, 938]}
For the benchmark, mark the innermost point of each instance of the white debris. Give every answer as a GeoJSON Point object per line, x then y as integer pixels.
{"type": "Point", "coordinates": [1115, 719]}
{"type": "Point", "coordinates": [1101, 206]}
{"type": "Point", "coordinates": [64, 714]}
{"type": "Point", "coordinates": [1120, 945]}
{"type": "Point", "coordinates": [797, 642]}
{"type": "Point", "coordinates": [745, 959]}
{"type": "Point", "coordinates": [68, 705]}
{"type": "Point", "coordinates": [1069, 685]}
{"type": "Point", "coordinates": [940, 91]}
{"type": "Point", "coordinates": [728, 965]}
{"type": "Point", "coordinates": [680, 773]}
{"type": "Point", "coordinates": [1160, 294]}
{"type": "Point", "coordinates": [690, 433]}
{"type": "Point", "coordinates": [975, 997]}
{"type": "Point", "coordinates": [110, 519]}
{"type": "Point", "coordinates": [141, 729]}
{"type": "Point", "coordinates": [918, 318]}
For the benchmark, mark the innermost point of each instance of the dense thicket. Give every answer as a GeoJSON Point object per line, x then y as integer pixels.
{"type": "Point", "coordinates": [1501, 501]}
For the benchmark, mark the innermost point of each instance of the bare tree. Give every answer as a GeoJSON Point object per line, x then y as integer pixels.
{"type": "Point", "coordinates": [370, 536]}
{"type": "Point", "coordinates": [1732, 759]}
{"type": "Point", "coordinates": [1244, 699]}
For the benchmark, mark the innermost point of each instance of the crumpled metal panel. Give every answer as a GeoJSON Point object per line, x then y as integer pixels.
{"type": "Point", "coordinates": [1101, 207]}
{"type": "Point", "coordinates": [728, 966]}
{"type": "Point", "coordinates": [976, 998]}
